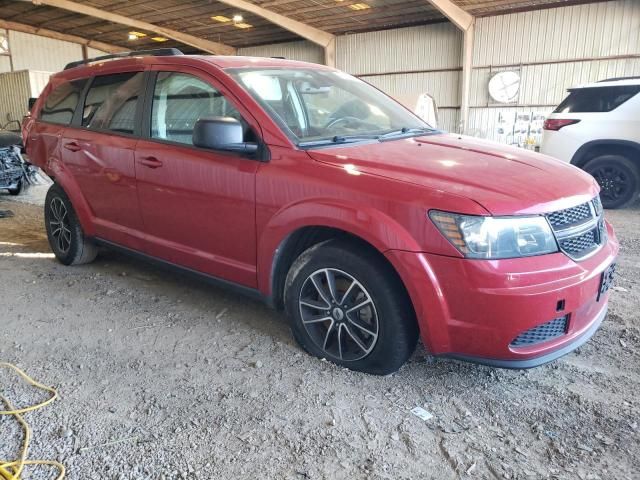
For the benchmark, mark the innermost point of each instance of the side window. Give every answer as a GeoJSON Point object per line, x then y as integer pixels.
{"type": "Point", "coordinates": [597, 99]}
{"type": "Point", "coordinates": [179, 100]}
{"type": "Point", "coordinates": [111, 102]}
{"type": "Point", "coordinates": [61, 103]}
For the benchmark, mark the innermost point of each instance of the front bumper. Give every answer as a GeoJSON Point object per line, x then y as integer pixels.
{"type": "Point", "coordinates": [474, 309]}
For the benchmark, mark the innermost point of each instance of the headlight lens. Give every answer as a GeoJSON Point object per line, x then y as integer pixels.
{"type": "Point", "coordinates": [496, 237]}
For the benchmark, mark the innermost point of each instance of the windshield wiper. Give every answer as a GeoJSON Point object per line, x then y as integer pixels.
{"type": "Point", "coordinates": [407, 131]}
{"type": "Point", "coordinates": [337, 139]}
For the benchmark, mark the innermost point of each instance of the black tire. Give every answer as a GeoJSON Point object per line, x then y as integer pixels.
{"type": "Point", "coordinates": [17, 190]}
{"type": "Point", "coordinates": [618, 179]}
{"type": "Point", "coordinates": [66, 238]}
{"type": "Point", "coordinates": [386, 326]}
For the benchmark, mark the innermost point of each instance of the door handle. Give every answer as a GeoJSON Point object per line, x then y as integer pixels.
{"type": "Point", "coordinates": [73, 146]}
{"type": "Point", "coordinates": [151, 162]}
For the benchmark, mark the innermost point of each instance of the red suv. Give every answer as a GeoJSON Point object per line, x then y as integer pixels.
{"type": "Point", "coordinates": [309, 188]}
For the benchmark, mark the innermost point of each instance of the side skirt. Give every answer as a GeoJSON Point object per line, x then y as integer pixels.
{"type": "Point", "coordinates": [169, 266]}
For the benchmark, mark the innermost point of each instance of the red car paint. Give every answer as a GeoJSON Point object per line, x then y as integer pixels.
{"type": "Point", "coordinates": [154, 198]}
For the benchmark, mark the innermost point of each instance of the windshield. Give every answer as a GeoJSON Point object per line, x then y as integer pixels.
{"type": "Point", "coordinates": [316, 106]}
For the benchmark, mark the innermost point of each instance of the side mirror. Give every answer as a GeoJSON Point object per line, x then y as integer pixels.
{"type": "Point", "coordinates": [221, 133]}
{"type": "Point", "coordinates": [32, 102]}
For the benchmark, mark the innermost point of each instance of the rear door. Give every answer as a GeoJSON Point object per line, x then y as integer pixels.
{"type": "Point", "coordinates": [198, 205]}
{"type": "Point", "coordinates": [99, 151]}
{"type": "Point", "coordinates": [44, 132]}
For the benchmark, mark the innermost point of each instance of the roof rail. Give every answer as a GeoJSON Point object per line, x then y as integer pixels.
{"type": "Point", "coordinates": [619, 78]}
{"type": "Point", "coordinates": [158, 52]}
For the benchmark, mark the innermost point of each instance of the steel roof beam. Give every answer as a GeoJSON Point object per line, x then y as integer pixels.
{"type": "Point", "coordinates": [199, 43]}
{"type": "Point", "coordinates": [320, 37]}
{"type": "Point", "coordinates": [43, 32]}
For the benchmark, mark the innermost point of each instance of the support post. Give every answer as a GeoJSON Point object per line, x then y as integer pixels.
{"type": "Point", "coordinates": [465, 84]}
{"type": "Point", "coordinates": [330, 53]}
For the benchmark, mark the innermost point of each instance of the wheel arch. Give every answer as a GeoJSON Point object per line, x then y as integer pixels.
{"type": "Point", "coordinates": [595, 148]}
{"type": "Point", "coordinates": [283, 242]}
{"type": "Point", "coordinates": [63, 178]}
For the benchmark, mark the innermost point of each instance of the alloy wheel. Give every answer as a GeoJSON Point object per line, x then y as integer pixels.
{"type": "Point", "coordinates": [59, 225]}
{"type": "Point", "coordinates": [339, 314]}
{"type": "Point", "coordinates": [613, 182]}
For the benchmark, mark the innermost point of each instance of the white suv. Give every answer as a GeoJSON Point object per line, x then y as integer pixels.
{"type": "Point", "coordinates": [597, 128]}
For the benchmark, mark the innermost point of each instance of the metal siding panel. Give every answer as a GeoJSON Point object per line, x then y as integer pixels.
{"type": "Point", "coordinates": [547, 84]}
{"type": "Point", "coordinates": [580, 31]}
{"type": "Point", "coordinates": [426, 47]}
{"type": "Point", "coordinates": [94, 52]}
{"type": "Point", "coordinates": [448, 119]}
{"type": "Point", "coordinates": [484, 122]}
{"type": "Point", "coordinates": [407, 87]}
{"type": "Point", "coordinates": [303, 51]}
{"type": "Point", "coordinates": [38, 81]}
{"type": "Point", "coordinates": [32, 52]}
{"type": "Point", "coordinates": [5, 63]}
{"type": "Point", "coordinates": [15, 90]}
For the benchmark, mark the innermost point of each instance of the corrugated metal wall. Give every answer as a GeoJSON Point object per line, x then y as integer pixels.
{"type": "Point", "coordinates": [431, 52]}
{"type": "Point", "coordinates": [581, 31]}
{"type": "Point", "coordinates": [5, 60]}
{"type": "Point", "coordinates": [302, 51]}
{"type": "Point", "coordinates": [408, 62]}
{"type": "Point", "coordinates": [32, 52]}
{"type": "Point", "coordinates": [426, 47]}
{"type": "Point", "coordinates": [15, 90]}
{"type": "Point", "coordinates": [93, 52]}
{"type": "Point", "coordinates": [552, 50]}
{"type": "Point", "coordinates": [5, 63]}
{"type": "Point", "coordinates": [38, 81]}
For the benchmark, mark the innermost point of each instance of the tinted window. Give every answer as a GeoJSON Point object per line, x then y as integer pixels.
{"type": "Point", "coordinates": [179, 100]}
{"type": "Point", "coordinates": [61, 102]}
{"type": "Point", "coordinates": [111, 102]}
{"type": "Point", "coordinates": [598, 99]}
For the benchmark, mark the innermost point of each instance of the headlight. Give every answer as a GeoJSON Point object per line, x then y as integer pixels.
{"type": "Point", "coordinates": [496, 237]}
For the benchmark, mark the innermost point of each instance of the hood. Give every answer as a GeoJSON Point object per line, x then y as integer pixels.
{"type": "Point", "coordinates": [504, 180]}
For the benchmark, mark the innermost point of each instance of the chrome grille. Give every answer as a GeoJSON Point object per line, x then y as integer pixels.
{"type": "Point", "coordinates": [580, 244]}
{"type": "Point", "coordinates": [570, 216]}
{"type": "Point", "coordinates": [542, 333]}
{"type": "Point", "coordinates": [579, 230]}
{"type": "Point", "coordinates": [597, 204]}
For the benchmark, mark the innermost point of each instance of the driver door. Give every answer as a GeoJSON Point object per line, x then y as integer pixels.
{"type": "Point", "coordinates": [198, 205]}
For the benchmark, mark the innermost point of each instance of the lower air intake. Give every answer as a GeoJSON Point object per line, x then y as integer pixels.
{"type": "Point", "coordinates": [542, 333]}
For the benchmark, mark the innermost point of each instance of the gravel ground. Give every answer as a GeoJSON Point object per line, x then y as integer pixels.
{"type": "Point", "coordinates": [163, 377]}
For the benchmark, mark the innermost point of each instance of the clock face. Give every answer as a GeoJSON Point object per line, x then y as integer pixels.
{"type": "Point", "coordinates": [504, 87]}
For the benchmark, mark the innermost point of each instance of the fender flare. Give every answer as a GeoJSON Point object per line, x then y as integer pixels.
{"type": "Point", "coordinates": [578, 157]}
{"type": "Point", "coordinates": [61, 176]}
{"type": "Point", "coordinates": [369, 224]}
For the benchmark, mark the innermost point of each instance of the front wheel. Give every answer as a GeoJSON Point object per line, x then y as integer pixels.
{"type": "Point", "coordinates": [618, 179]}
{"type": "Point", "coordinates": [347, 305]}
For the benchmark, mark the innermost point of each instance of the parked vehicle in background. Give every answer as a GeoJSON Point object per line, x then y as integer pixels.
{"type": "Point", "coordinates": [15, 173]}
{"type": "Point", "coordinates": [309, 188]}
{"type": "Point", "coordinates": [597, 128]}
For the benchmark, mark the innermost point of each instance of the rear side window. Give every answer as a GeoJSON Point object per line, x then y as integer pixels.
{"type": "Point", "coordinates": [112, 101]}
{"type": "Point", "coordinates": [598, 99]}
{"type": "Point", "coordinates": [61, 103]}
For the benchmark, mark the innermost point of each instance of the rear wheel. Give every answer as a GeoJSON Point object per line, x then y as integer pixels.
{"type": "Point", "coordinates": [66, 238]}
{"type": "Point", "coordinates": [618, 179]}
{"type": "Point", "coordinates": [347, 305]}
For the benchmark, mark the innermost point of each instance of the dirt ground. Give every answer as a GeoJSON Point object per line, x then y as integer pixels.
{"type": "Point", "coordinates": [163, 377]}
